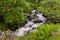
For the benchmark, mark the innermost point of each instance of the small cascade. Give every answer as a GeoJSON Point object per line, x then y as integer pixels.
{"type": "Point", "coordinates": [36, 20]}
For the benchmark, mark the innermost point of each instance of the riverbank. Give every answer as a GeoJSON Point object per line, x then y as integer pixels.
{"type": "Point", "coordinates": [55, 36]}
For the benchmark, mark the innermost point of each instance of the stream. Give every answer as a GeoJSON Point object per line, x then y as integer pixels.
{"type": "Point", "coordinates": [36, 19]}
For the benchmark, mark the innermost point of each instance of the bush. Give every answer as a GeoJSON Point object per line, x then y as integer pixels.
{"type": "Point", "coordinates": [51, 10]}
{"type": "Point", "coordinates": [11, 13]}
{"type": "Point", "coordinates": [3, 26]}
{"type": "Point", "coordinates": [34, 3]}
{"type": "Point", "coordinates": [44, 31]}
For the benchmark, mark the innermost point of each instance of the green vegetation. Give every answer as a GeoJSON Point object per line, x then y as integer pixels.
{"type": "Point", "coordinates": [51, 10]}
{"type": "Point", "coordinates": [12, 16]}
{"type": "Point", "coordinates": [11, 13]}
{"type": "Point", "coordinates": [45, 31]}
{"type": "Point", "coordinates": [57, 37]}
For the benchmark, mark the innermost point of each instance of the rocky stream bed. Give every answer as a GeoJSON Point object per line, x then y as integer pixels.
{"type": "Point", "coordinates": [32, 22]}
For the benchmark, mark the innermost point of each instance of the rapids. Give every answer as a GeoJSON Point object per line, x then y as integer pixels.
{"type": "Point", "coordinates": [31, 24]}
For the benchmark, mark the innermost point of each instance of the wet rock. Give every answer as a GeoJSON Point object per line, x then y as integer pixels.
{"type": "Point", "coordinates": [33, 17]}
{"type": "Point", "coordinates": [11, 33]}
{"type": "Point", "coordinates": [37, 21]}
{"type": "Point", "coordinates": [23, 24]}
{"type": "Point", "coordinates": [30, 25]}
{"type": "Point", "coordinates": [28, 16]}
{"type": "Point", "coordinates": [2, 34]}
{"type": "Point", "coordinates": [29, 19]}
{"type": "Point", "coordinates": [34, 28]}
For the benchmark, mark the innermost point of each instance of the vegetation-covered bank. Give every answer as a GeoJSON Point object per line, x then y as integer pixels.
{"type": "Point", "coordinates": [12, 16]}
{"type": "Point", "coordinates": [43, 32]}
{"type": "Point", "coordinates": [51, 10]}
{"type": "Point", "coordinates": [12, 11]}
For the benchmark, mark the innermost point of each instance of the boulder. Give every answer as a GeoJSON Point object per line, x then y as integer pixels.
{"type": "Point", "coordinates": [37, 21]}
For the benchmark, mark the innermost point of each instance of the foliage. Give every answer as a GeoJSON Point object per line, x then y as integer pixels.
{"type": "Point", "coordinates": [3, 26]}
{"type": "Point", "coordinates": [56, 37]}
{"type": "Point", "coordinates": [51, 10]}
{"type": "Point", "coordinates": [11, 13]}
{"type": "Point", "coordinates": [44, 31]}
{"type": "Point", "coordinates": [34, 3]}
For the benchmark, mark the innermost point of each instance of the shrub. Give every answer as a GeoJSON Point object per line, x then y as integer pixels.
{"type": "Point", "coordinates": [51, 10]}
{"type": "Point", "coordinates": [11, 13]}
{"type": "Point", "coordinates": [34, 3]}
{"type": "Point", "coordinates": [3, 26]}
{"type": "Point", "coordinates": [44, 31]}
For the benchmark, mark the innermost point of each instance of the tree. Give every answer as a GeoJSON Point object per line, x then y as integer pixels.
{"type": "Point", "coordinates": [11, 13]}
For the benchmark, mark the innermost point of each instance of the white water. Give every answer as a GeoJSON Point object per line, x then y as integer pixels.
{"type": "Point", "coordinates": [30, 24]}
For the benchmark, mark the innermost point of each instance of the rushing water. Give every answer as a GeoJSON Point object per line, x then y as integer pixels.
{"type": "Point", "coordinates": [31, 25]}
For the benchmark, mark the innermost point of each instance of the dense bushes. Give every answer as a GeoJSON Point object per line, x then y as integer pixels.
{"type": "Point", "coordinates": [11, 13]}
{"type": "Point", "coordinates": [51, 10]}
{"type": "Point", "coordinates": [34, 3]}
{"type": "Point", "coordinates": [44, 31]}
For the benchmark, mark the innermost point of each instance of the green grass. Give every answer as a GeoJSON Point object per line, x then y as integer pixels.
{"type": "Point", "coordinates": [26, 37]}
{"type": "Point", "coordinates": [56, 37]}
{"type": "Point", "coordinates": [45, 31]}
